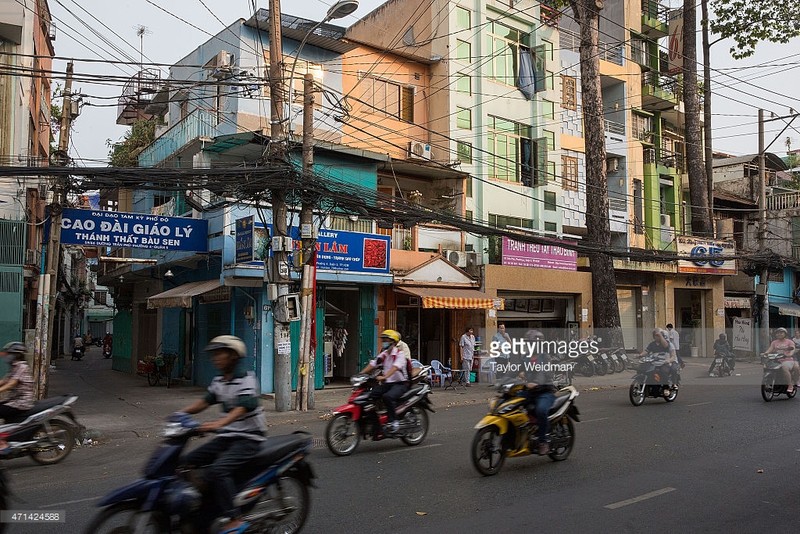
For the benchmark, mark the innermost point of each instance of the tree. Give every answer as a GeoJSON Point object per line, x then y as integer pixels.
{"type": "Point", "coordinates": [749, 22]}
{"type": "Point", "coordinates": [604, 281]}
{"type": "Point", "coordinates": [698, 183]}
{"type": "Point", "coordinates": [126, 152]}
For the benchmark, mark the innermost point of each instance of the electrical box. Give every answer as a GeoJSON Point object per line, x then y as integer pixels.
{"type": "Point", "coordinates": [272, 292]}
{"type": "Point", "coordinates": [307, 231]}
{"type": "Point", "coordinates": [277, 243]}
{"type": "Point", "coordinates": [287, 308]}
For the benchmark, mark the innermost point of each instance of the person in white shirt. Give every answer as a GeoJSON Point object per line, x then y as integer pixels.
{"type": "Point", "coordinates": [393, 380]}
{"type": "Point", "coordinates": [467, 344]}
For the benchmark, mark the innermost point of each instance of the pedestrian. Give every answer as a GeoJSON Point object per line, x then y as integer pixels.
{"type": "Point", "coordinates": [467, 344]}
{"type": "Point", "coordinates": [500, 338]}
{"type": "Point", "coordinates": [674, 337]}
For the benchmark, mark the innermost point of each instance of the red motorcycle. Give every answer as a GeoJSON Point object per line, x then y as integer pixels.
{"type": "Point", "coordinates": [361, 416]}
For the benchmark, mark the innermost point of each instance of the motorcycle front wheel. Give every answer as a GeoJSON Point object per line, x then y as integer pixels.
{"type": "Point", "coordinates": [768, 390]}
{"type": "Point", "coordinates": [283, 507]}
{"type": "Point", "coordinates": [342, 435]}
{"type": "Point", "coordinates": [124, 518]}
{"type": "Point", "coordinates": [419, 417]}
{"type": "Point", "coordinates": [563, 439]}
{"type": "Point", "coordinates": [585, 369]}
{"type": "Point", "coordinates": [637, 393]}
{"type": "Point", "coordinates": [487, 451]}
{"type": "Point", "coordinates": [60, 442]}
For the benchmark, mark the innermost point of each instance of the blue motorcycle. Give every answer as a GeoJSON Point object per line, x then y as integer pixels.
{"type": "Point", "coordinates": [272, 490]}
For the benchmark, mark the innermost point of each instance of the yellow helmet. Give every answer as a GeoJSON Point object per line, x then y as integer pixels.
{"type": "Point", "coordinates": [394, 335]}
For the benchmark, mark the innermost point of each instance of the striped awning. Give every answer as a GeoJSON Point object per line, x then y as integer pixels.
{"type": "Point", "coordinates": [454, 299]}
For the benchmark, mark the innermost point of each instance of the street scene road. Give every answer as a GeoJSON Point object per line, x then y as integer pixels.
{"type": "Point", "coordinates": [717, 459]}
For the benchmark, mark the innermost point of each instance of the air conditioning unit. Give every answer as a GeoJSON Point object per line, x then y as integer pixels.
{"type": "Point", "coordinates": [665, 220]}
{"type": "Point", "coordinates": [667, 235]}
{"type": "Point", "coordinates": [474, 259]}
{"type": "Point", "coordinates": [419, 150]}
{"type": "Point", "coordinates": [612, 164]}
{"type": "Point", "coordinates": [457, 257]}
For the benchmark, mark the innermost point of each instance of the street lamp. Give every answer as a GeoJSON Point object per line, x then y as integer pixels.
{"type": "Point", "coordinates": [339, 10]}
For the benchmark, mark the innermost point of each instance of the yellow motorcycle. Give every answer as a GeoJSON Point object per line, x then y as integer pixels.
{"type": "Point", "coordinates": [508, 431]}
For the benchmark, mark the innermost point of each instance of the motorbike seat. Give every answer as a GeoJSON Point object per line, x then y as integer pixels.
{"type": "Point", "coordinates": [46, 404]}
{"type": "Point", "coordinates": [561, 400]}
{"type": "Point", "coordinates": [411, 392]}
{"type": "Point", "coordinates": [275, 448]}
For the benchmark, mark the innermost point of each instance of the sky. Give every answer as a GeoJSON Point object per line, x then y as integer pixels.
{"type": "Point", "coordinates": [769, 80]}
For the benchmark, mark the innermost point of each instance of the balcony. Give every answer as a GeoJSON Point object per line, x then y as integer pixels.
{"type": "Point", "coordinates": [550, 14]}
{"type": "Point", "coordinates": [614, 128]}
{"type": "Point", "coordinates": [136, 95]}
{"type": "Point", "coordinates": [658, 92]}
{"type": "Point", "coordinates": [672, 160]}
{"type": "Point", "coordinates": [784, 201]}
{"type": "Point", "coordinates": [613, 53]}
{"type": "Point", "coordinates": [199, 123]}
{"type": "Point", "coordinates": [655, 19]}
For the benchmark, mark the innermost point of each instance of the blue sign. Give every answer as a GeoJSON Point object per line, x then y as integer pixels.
{"type": "Point", "coordinates": [133, 230]}
{"type": "Point", "coordinates": [244, 239]}
{"type": "Point", "coordinates": [705, 252]}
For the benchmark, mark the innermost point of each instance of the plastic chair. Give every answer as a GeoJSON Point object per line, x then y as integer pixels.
{"type": "Point", "coordinates": [487, 370]}
{"type": "Point", "coordinates": [440, 373]}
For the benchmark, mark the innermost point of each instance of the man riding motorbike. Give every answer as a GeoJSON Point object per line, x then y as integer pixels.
{"type": "Point", "coordinates": [20, 380]}
{"type": "Point", "coordinates": [722, 348]}
{"type": "Point", "coordinates": [393, 381]}
{"type": "Point", "coordinates": [539, 389]}
{"type": "Point", "coordinates": [661, 344]}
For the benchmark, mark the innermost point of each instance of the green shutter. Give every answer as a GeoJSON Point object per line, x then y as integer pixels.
{"type": "Point", "coordinates": [367, 338]}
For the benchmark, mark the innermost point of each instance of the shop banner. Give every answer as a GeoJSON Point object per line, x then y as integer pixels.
{"type": "Point", "coordinates": [742, 333]}
{"type": "Point", "coordinates": [709, 256]}
{"type": "Point", "coordinates": [337, 250]}
{"type": "Point", "coordinates": [133, 230]}
{"type": "Point", "coordinates": [518, 254]}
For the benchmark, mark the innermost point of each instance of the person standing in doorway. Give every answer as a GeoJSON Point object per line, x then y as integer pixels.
{"type": "Point", "coordinates": [498, 340]}
{"type": "Point", "coordinates": [674, 337]}
{"type": "Point", "coordinates": [467, 344]}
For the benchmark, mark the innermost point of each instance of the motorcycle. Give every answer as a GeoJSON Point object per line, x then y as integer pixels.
{"type": "Point", "coordinates": [652, 379]}
{"type": "Point", "coordinates": [360, 417]}
{"type": "Point", "coordinates": [47, 434]}
{"type": "Point", "coordinates": [770, 386]}
{"type": "Point", "coordinates": [77, 353]}
{"type": "Point", "coordinates": [508, 431]}
{"type": "Point", "coordinates": [585, 365]}
{"type": "Point", "coordinates": [106, 351]}
{"type": "Point", "coordinates": [722, 364]}
{"type": "Point", "coordinates": [623, 359]}
{"type": "Point", "coordinates": [272, 491]}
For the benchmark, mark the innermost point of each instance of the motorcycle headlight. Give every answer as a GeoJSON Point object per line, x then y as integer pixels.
{"type": "Point", "coordinates": [493, 404]}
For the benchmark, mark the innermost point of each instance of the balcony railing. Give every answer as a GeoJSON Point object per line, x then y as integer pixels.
{"type": "Point", "coordinates": [654, 12]}
{"type": "Point", "coordinates": [614, 53]}
{"type": "Point", "coordinates": [661, 81]}
{"type": "Point", "coordinates": [199, 123]}
{"type": "Point", "coordinates": [550, 13]}
{"type": "Point", "coordinates": [671, 159]}
{"type": "Point", "coordinates": [614, 127]}
{"type": "Point", "coordinates": [784, 201]}
{"type": "Point", "coordinates": [796, 252]}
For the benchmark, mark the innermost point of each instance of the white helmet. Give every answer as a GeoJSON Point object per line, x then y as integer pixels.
{"type": "Point", "coordinates": [228, 342]}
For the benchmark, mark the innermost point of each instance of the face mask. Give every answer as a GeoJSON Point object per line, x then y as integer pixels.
{"type": "Point", "coordinates": [386, 345]}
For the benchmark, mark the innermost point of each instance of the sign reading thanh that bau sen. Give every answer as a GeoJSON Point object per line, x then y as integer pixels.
{"type": "Point", "coordinates": [133, 230]}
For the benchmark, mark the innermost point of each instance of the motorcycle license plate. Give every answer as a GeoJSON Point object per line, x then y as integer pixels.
{"type": "Point", "coordinates": [717, 361]}
{"type": "Point", "coordinates": [590, 358]}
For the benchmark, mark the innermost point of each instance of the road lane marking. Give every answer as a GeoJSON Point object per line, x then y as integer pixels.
{"type": "Point", "coordinates": [413, 448]}
{"type": "Point", "coordinates": [594, 420]}
{"type": "Point", "coordinates": [699, 403]}
{"type": "Point", "coordinates": [71, 502]}
{"type": "Point", "coordinates": [640, 498]}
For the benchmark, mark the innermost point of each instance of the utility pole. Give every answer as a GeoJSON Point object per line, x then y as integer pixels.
{"type": "Point", "coordinates": [308, 305]}
{"type": "Point", "coordinates": [763, 291]}
{"type": "Point", "coordinates": [280, 256]}
{"type": "Point", "coordinates": [48, 277]}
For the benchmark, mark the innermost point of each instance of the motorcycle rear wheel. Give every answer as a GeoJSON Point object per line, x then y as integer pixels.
{"type": "Point", "coordinates": [485, 446]}
{"type": "Point", "coordinates": [153, 378]}
{"type": "Point", "coordinates": [121, 518]}
{"type": "Point", "coordinates": [61, 442]}
{"type": "Point", "coordinates": [339, 425]}
{"type": "Point", "coordinates": [672, 395]}
{"type": "Point", "coordinates": [768, 390]}
{"type": "Point", "coordinates": [289, 494]}
{"type": "Point", "coordinates": [637, 393]}
{"type": "Point", "coordinates": [792, 394]}
{"type": "Point", "coordinates": [419, 436]}
{"type": "Point", "coordinates": [562, 431]}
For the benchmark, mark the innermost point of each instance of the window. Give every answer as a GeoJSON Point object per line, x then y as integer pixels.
{"type": "Point", "coordinates": [101, 297]}
{"type": "Point", "coordinates": [503, 44]}
{"type": "Point", "coordinates": [548, 49]}
{"type": "Point", "coordinates": [463, 51]}
{"type": "Point", "coordinates": [551, 80]}
{"type": "Point", "coordinates": [550, 227]}
{"type": "Point", "coordinates": [506, 150]}
{"type": "Point", "coordinates": [464, 118]}
{"type": "Point", "coordinates": [407, 104]}
{"type": "Point", "coordinates": [464, 83]}
{"type": "Point", "coordinates": [502, 221]}
{"type": "Point", "coordinates": [463, 19]}
{"type": "Point", "coordinates": [638, 207]}
{"type": "Point", "coordinates": [468, 215]}
{"type": "Point", "coordinates": [548, 110]}
{"type": "Point", "coordinates": [551, 139]}
{"type": "Point", "coordinates": [569, 92]}
{"type": "Point", "coordinates": [569, 173]}
{"type": "Point", "coordinates": [464, 152]}
{"type": "Point", "coordinates": [551, 170]}
{"type": "Point", "coordinates": [549, 201]}
{"type": "Point", "coordinates": [388, 97]}
{"type": "Point", "coordinates": [469, 187]}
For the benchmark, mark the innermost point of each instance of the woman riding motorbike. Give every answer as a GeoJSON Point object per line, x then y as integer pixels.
{"type": "Point", "coordinates": [789, 367]}
{"type": "Point", "coordinates": [19, 381]}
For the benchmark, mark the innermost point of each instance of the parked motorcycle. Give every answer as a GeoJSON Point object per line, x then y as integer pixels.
{"type": "Point", "coordinates": [361, 417]}
{"type": "Point", "coordinates": [585, 365]}
{"type": "Point", "coordinates": [272, 490]}
{"type": "Point", "coordinates": [507, 431]}
{"type": "Point", "coordinates": [47, 434]}
{"type": "Point", "coordinates": [770, 383]}
{"type": "Point", "coordinates": [652, 379]}
{"type": "Point", "coordinates": [623, 359]}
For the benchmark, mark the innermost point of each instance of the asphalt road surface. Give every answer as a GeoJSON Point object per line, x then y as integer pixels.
{"type": "Point", "coordinates": [718, 459]}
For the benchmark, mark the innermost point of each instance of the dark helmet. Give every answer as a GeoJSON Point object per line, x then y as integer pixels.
{"type": "Point", "coordinates": [14, 347]}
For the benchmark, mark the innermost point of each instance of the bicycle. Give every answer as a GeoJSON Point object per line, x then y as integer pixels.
{"type": "Point", "coordinates": [156, 368]}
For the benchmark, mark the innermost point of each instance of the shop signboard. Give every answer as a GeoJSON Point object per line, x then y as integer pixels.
{"type": "Point", "coordinates": [244, 239]}
{"type": "Point", "coordinates": [742, 333]}
{"type": "Point", "coordinates": [543, 256]}
{"type": "Point", "coordinates": [132, 230]}
{"type": "Point", "coordinates": [705, 256]}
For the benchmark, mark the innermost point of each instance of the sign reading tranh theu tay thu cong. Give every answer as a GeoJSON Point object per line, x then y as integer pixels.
{"type": "Point", "coordinates": [133, 230]}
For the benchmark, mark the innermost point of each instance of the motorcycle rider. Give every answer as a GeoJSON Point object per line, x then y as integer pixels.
{"type": "Point", "coordinates": [789, 367]}
{"type": "Point", "coordinates": [662, 345]}
{"type": "Point", "coordinates": [722, 348]}
{"type": "Point", "coordinates": [393, 381]}
{"type": "Point", "coordinates": [539, 389]}
{"type": "Point", "coordinates": [108, 342]}
{"type": "Point", "coordinates": [241, 430]}
{"type": "Point", "coordinates": [20, 380]}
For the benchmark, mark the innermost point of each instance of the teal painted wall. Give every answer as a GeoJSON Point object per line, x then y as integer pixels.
{"type": "Point", "coordinates": [121, 360]}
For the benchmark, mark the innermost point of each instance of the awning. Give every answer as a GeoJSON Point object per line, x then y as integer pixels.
{"type": "Point", "coordinates": [787, 308]}
{"type": "Point", "coordinates": [454, 299]}
{"type": "Point", "coordinates": [181, 296]}
{"type": "Point", "coordinates": [737, 302]}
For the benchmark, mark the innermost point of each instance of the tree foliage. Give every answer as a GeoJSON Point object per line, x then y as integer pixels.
{"type": "Point", "coordinates": [126, 152]}
{"type": "Point", "coordinates": [749, 22]}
